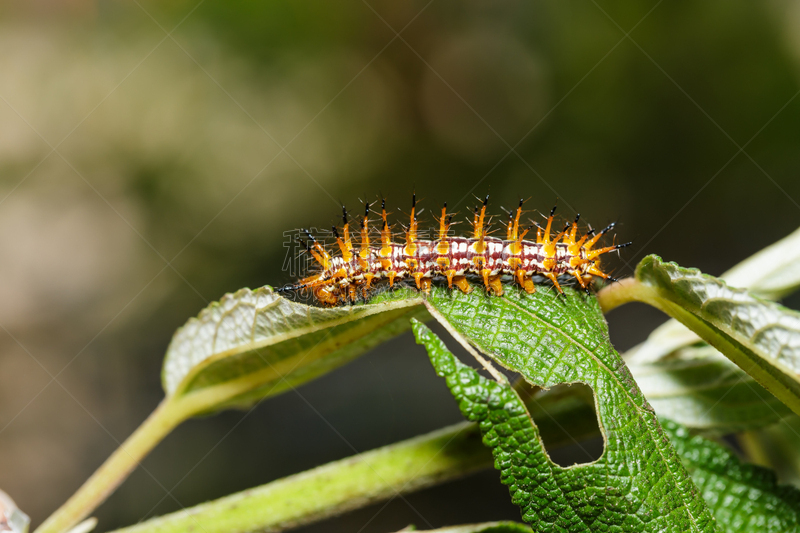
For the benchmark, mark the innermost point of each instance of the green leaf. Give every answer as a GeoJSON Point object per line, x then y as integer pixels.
{"type": "Point", "coordinates": [701, 389]}
{"type": "Point", "coordinates": [638, 484]}
{"type": "Point", "coordinates": [771, 273]}
{"type": "Point", "coordinates": [254, 343]}
{"type": "Point", "coordinates": [701, 402]}
{"type": "Point", "coordinates": [379, 474]}
{"type": "Point", "coordinates": [761, 337]}
{"type": "Point", "coordinates": [744, 498]}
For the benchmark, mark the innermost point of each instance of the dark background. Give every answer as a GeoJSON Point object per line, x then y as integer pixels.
{"type": "Point", "coordinates": [152, 155]}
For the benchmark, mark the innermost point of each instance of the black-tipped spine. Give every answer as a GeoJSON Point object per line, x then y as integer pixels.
{"type": "Point", "coordinates": [608, 228]}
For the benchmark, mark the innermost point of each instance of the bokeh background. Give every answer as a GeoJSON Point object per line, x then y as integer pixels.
{"type": "Point", "coordinates": [153, 155]}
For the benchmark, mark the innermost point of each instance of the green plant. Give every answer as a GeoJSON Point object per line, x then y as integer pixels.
{"type": "Point", "coordinates": [735, 369]}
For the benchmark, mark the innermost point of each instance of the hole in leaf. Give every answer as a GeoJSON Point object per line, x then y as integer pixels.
{"type": "Point", "coordinates": [567, 421]}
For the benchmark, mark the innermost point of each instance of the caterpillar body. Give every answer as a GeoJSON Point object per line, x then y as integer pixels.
{"type": "Point", "coordinates": [350, 276]}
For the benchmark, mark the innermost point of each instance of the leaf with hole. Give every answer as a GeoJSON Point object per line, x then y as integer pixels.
{"type": "Point", "coordinates": [638, 484]}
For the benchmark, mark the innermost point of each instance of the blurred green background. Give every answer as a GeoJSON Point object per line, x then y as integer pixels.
{"type": "Point", "coordinates": [153, 154]}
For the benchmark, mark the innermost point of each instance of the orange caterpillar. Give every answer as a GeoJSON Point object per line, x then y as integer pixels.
{"type": "Point", "coordinates": [350, 276]}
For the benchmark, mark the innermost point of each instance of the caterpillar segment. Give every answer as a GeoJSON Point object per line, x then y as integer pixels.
{"type": "Point", "coordinates": [365, 254]}
{"type": "Point", "coordinates": [351, 275]}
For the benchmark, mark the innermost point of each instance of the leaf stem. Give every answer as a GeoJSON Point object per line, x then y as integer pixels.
{"type": "Point", "coordinates": [115, 469]}
{"type": "Point", "coordinates": [336, 487]}
{"type": "Point", "coordinates": [622, 292]}
{"type": "Point", "coordinates": [376, 475]}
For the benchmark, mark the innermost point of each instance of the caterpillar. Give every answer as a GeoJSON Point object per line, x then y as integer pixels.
{"type": "Point", "coordinates": [350, 276]}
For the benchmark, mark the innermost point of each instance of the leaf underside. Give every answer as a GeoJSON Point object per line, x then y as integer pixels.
{"type": "Point", "coordinates": [771, 274]}
{"type": "Point", "coordinates": [761, 337]}
{"type": "Point", "coordinates": [255, 343]}
{"type": "Point", "coordinates": [700, 388]}
{"type": "Point", "coordinates": [638, 484]}
{"type": "Point", "coordinates": [735, 402]}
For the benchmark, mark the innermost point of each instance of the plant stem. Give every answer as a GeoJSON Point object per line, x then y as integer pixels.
{"type": "Point", "coordinates": [372, 476]}
{"type": "Point", "coordinates": [487, 527]}
{"type": "Point", "coordinates": [624, 291]}
{"type": "Point", "coordinates": [336, 487]}
{"type": "Point", "coordinates": [115, 469]}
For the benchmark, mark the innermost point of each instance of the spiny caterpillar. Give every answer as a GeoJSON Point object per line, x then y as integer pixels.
{"type": "Point", "coordinates": [350, 276]}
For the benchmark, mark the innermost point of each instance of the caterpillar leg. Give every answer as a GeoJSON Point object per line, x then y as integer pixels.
{"type": "Point", "coordinates": [492, 283]}
{"type": "Point", "coordinates": [426, 285]}
{"type": "Point", "coordinates": [495, 285]}
{"type": "Point", "coordinates": [525, 283]}
{"type": "Point", "coordinates": [462, 284]}
{"type": "Point", "coordinates": [423, 283]}
{"type": "Point", "coordinates": [449, 274]}
{"type": "Point", "coordinates": [325, 295]}
{"type": "Point", "coordinates": [485, 275]}
{"type": "Point", "coordinates": [367, 283]}
{"type": "Point", "coordinates": [352, 292]}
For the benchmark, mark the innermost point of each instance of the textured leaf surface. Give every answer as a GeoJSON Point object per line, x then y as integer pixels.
{"type": "Point", "coordinates": [701, 389]}
{"type": "Point", "coordinates": [761, 337]}
{"type": "Point", "coordinates": [772, 273]}
{"type": "Point", "coordinates": [254, 343]}
{"type": "Point", "coordinates": [744, 498]}
{"type": "Point", "coordinates": [638, 484]}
